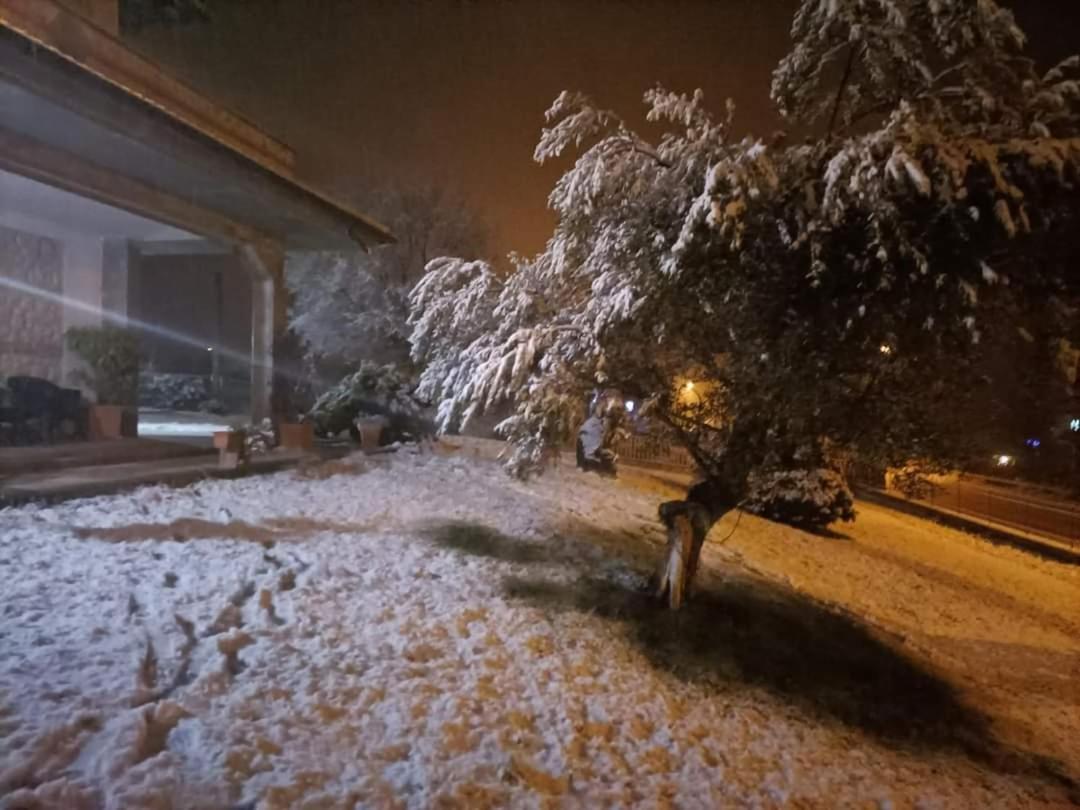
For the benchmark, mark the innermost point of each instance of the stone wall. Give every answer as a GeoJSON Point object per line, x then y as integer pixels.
{"type": "Point", "coordinates": [31, 326]}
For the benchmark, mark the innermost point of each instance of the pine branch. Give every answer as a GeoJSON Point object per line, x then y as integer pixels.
{"type": "Point", "coordinates": [845, 79]}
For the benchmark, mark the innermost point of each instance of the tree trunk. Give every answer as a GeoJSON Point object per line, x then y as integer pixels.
{"type": "Point", "coordinates": [688, 523]}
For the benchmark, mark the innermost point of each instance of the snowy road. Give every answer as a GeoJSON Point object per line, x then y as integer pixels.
{"type": "Point", "coordinates": [421, 631]}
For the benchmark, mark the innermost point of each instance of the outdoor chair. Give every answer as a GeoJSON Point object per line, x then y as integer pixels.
{"type": "Point", "coordinates": [38, 410]}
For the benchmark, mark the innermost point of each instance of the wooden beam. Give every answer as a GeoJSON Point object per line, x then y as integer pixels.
{"type": "Point", "coordinates": [71, 74]}
{"type": "Point", "coordinates": [181, 247]}
{"type": "Point", "coordinates": [94, 50]}
{"type": "Point", "coordinates": [54, 167]}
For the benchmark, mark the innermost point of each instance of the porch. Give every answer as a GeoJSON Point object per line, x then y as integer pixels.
{"type": "Point", "coordinates": [86, 469]}
{"type": "Point", "coordinates": [116, 180]}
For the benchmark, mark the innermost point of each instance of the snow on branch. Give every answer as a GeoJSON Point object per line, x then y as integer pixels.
{"type": "Point", "coordinates": [811, 287]}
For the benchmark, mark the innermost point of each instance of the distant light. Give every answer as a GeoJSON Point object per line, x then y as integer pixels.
{"type": "Point", "coordinates": [1004, 461]}
{"type": "Point", "coordinates": [209, 348]}
{"type": "Point", "coordinates": [1074, 425]}
{"type": "Point", "coordinates": [885, 348]}
{"type": "Point", "coordinates": [690, 387]}
{"type": "Point", "coordinates": [1033, 442]}
{"type": "Point", "coordinates": [629, 405]}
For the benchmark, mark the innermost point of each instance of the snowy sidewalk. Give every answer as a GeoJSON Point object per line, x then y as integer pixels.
{"type": "Point", "coordinates": [421, 631]}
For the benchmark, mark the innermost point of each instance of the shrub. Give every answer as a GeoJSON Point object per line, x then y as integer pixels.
{"type": "Point", "coordinates": [260, 438]}
{"type": "Point", "coordinates": [372, 390]}
{"type": "Point", "coordinates": [111, 355]}
{"type": "Point", "coordinates": [915, 479]}
{"type": "Point", "coordinates": [178, 392]}
{"type": "Point", "coordinates": [806, 498]}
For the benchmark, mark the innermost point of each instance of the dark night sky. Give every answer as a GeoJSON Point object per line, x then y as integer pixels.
{"type": "Point", "coordinates": [454, 90]}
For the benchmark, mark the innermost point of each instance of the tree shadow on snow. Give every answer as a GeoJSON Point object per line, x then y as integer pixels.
{"type": "Point", "coordinates": [825, 533]}
{"type": "Point", "coordinates": [756, 633]}
{"type": "Point", "coordinates": [483, 541]}
{"type": "Point", "coordinates": [743, 630]}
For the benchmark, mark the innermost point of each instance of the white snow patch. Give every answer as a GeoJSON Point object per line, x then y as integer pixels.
{"type": "Point", "coordinates": [299, 640]}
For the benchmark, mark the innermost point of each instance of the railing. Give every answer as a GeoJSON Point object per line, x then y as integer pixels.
{"type": "Point", "coordinates": [649, 451]}
{"type": "Point", "coordinates": [974, 498]}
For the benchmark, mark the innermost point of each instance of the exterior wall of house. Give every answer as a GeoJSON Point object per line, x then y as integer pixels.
{"type": "Point", "coordinates": [31, 326]}
{"type": "Point", "coordinates": [179, 294]}
{"type": "Point", "coordinates": [82, 298]}
{"type": "Point", "coordinates": [79, 278]}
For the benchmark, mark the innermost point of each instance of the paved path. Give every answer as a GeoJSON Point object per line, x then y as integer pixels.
{"type": "Point", "coordinates": [97, 468]}
{"type": "Point", "coordinates": [18, 461]}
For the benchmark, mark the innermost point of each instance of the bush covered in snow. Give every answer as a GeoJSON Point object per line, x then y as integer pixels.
{"type": "Point", "coordinates": [260, 438]}
{"type": "Point", "coordinates": [176, 392]}
{"type": "Point", "coordinates": [372, 390]}
{"type": "Point", "coordinates": [915, 479]}
{"type": "Point", "coordinates": [807, 498]}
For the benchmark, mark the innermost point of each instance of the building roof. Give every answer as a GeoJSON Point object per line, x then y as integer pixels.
{"type": "Point", "coordinates": [74, 95]}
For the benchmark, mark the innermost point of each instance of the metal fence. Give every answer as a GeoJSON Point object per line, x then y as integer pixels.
{"type": "Point", "coordinates": [969, 496]}
{"type": "Point", "coordinates": [650, 451]}
{"type": "Point", "coordinates": [980, 499]}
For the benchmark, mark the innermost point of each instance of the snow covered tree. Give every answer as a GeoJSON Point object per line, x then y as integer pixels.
{"type": "Point", "coordinates": [839, 295]}
{"type": "Point", "coordinates": [352, 307]}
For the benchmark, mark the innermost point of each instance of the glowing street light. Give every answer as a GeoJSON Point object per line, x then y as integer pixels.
{"type": "Point", "coordinates": [689, 385]}
{"type": "Point", "coordinates": [629, 405]}
{"type": "Point", "coordinates": [1004, 461]}
{"type": "Point", "coordinates": [885, 349]}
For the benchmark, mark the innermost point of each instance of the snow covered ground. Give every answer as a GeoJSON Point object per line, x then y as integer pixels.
{"type": "Point", "coordinates": [157, 424]}
{"type": "Point", "coordinates": [421, 631]}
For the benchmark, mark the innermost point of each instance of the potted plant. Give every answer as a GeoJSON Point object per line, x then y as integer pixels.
{"type": "Point", "coordinates": [374, 404]}
{"type": "Point", "coordinates": [292, 431]}
{"type": "Point", "coordinates": [111, 357]}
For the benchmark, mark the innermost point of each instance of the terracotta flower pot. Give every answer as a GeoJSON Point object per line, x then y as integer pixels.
{"type": "Point", "coordinates": [297, 435]}
{"type": "Point", "coordinates": [112, 422]}
{"type": "Point", "coordinates": [231, 440]}
{"type": "Point", "coordinates": [370, 433]}
{"type": "Point", "coordinates": [232, 448]}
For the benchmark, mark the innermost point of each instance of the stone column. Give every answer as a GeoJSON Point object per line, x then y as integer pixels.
{"type": "Point", "coordinates": [119, 280]}
{"type": "Point", "coordinates": [269, 323]}
{"type": "Point", "coordinates": [82, 283]}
